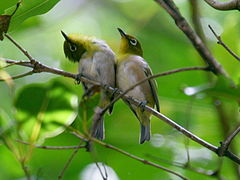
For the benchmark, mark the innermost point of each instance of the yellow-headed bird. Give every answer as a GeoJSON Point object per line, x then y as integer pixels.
{"type": "Point", "coordinates": [96, 62]}
{"type": "Point", "coordinates": [132, 68]}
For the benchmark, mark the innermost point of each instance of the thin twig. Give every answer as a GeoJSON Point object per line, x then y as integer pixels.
{"type": "Point", "coordinates": [105, 170]}
{"type": "Point", "coordinates": [223, 44]}
{"type": "Point", "coordinates": [129, 155]}
{"type": "Point", "coordinates": [183, 25]}
{"type": "Point", "coordinates": [225, 144]}
{"type": "Point", "coordinates": [18, 76]}
{"type": "Point", "coordinates": [74, 153]}
{"type": "Point", "coordinates": [52, 147]}
{"type": "Point", "coordinates": [39, 67]}
{"type": "Point", "coordinates": [99, 169]}
{"type": "Point", "coordinates": [20, 48]}
{"type": "Point", "coordinates": [183, 165]}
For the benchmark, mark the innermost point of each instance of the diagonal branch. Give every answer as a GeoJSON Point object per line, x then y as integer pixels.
{"type": "Point", "coordinates": [17, 76]}
{"type": "Point", "coordinates": [21, 48]}
{"type": "Point", "coordinates": [224, 6]}
{"type": "Point", "coordinates": [74, 153]}
{"type": "Point", "coordinates": [225, 144]}
{"type": "Point", "coordinates": [52, 147]}
{"type": "Point", "coordinates": [128, 154]}
{"type": "Point", "coordinates": [182, 24]}
{"type": "Point", "coordinates": [223, 44]}
{"type": "Point", "coordinates": [184, 166]}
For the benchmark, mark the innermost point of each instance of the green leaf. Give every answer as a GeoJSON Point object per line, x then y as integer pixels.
{"type": "Point", "coordinates": [28, 9]}
{"type": "Point", "coordinates": [4, 4]}
{"type": "Point", "coordinates": [39, 106]}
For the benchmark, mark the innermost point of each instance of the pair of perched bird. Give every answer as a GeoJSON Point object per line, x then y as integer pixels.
{"type": "Point", "coordinates": [97, 62]}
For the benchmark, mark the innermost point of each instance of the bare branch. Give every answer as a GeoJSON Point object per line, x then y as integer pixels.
{"type": "Point", "coordinates": [223, 44]}
{"type": "Point", "coordinates": [20, 48]}
{"type": "Point", "coordinates": [99, 169]}
{"type": "Point", "coordinates": [224, 6]}
{"type": "Point", "coordinates": [225, 144]}
{"type": "Point", "coordinates": [18, 76]}
{"type": "Point", "coordinates": [52, 147]}
{"type": "Point", "coordinates": [182, 24]}
{"type": "Point", "coordinates": [74, 153]}
{"type": "Point", "coordinates": [183, 166]}
{"type": "Point", "coordinates": [39, 67]}
{"type": "Point", "coordinates": [128, 154]}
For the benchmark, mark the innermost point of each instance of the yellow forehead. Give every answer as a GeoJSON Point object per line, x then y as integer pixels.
{"type": "Point", "coordinates": [79, 38]}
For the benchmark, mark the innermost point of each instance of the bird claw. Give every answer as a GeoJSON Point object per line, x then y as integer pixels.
{"type": "Point", "coordinates": [105, 86]}
{"type": "Point", "coordinates": [116, 91]}
{"type": "Point", "coordinates": [78, 78]}
{"type": "Point", "coordinates": [142, 105]}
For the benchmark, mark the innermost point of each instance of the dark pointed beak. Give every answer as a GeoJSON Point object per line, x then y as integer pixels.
{"type": "Point", "coordinates": [123, 34]}
{"type": "Point", "coordinates": [65, 36]}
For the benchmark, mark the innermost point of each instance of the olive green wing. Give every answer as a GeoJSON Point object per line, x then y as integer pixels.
{"type": "Point", "coordinates": [153, 86]}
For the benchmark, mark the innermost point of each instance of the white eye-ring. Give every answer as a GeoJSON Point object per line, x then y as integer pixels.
{"type": "Point", "coordinates": [133, 42]}
{"type": "Point", "coordinates": [73, 48]}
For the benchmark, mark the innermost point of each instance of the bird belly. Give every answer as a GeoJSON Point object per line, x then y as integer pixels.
{"type": "Point", "coordinates": [126, 80]}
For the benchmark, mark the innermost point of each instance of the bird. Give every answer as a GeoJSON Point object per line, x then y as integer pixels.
{"type": "Point", "coordinates": [96, 62]}
{"type": "Point", "coordinates": [132, 68]}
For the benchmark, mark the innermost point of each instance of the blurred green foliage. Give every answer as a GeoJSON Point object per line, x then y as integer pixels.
{"type": "Point", "coordinates": [165, 48]}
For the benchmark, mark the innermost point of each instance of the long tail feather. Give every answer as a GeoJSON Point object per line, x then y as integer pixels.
{"type": "Point", "coordinates": [98, 130]}
{"type": "Point", "coordinates": [145, 133]}
{"type": "Point", "coordinates": [98, 126]}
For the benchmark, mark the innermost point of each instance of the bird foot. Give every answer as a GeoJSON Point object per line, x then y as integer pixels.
{"type": "Point", "coordinates": [116, 91]}
{"type": "Point", "coordinates": [142, 105]}
{"type": "Point", "coordinates": [78, 78]}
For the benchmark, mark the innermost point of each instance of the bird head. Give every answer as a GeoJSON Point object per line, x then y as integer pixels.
{"type": "Point", "coordinates": [73, 47]}
{"type": "Point", "coordinates": [129, 44]}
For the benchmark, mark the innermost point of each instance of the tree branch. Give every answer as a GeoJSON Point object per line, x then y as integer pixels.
{"type": "Point", "coordinates": [225, 144]}
{"type": "Point", "coordinates": [224, 6]}
{"type": "Point", "coordinates": [21, 48]}
{"type": "Point", "coordinates": [74, 153]}
{"type": "Point", "coordinates": [184, 166]}
{"type": "Point", "coordinates": [38, 67]}
{"type": "Point", "coordinates": [223, 44]}
{"type": "Point", "coordinates": [52, 147]}
{"type": "Point", "coordinates": [17, 76]}
{"type": "Point", "coordinates": [182, 24]}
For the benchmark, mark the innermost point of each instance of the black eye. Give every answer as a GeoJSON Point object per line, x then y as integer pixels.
{"type": "Point", "coordinates": [73, 47]}
{"type": "Point", "coordinates": [133, 42]}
